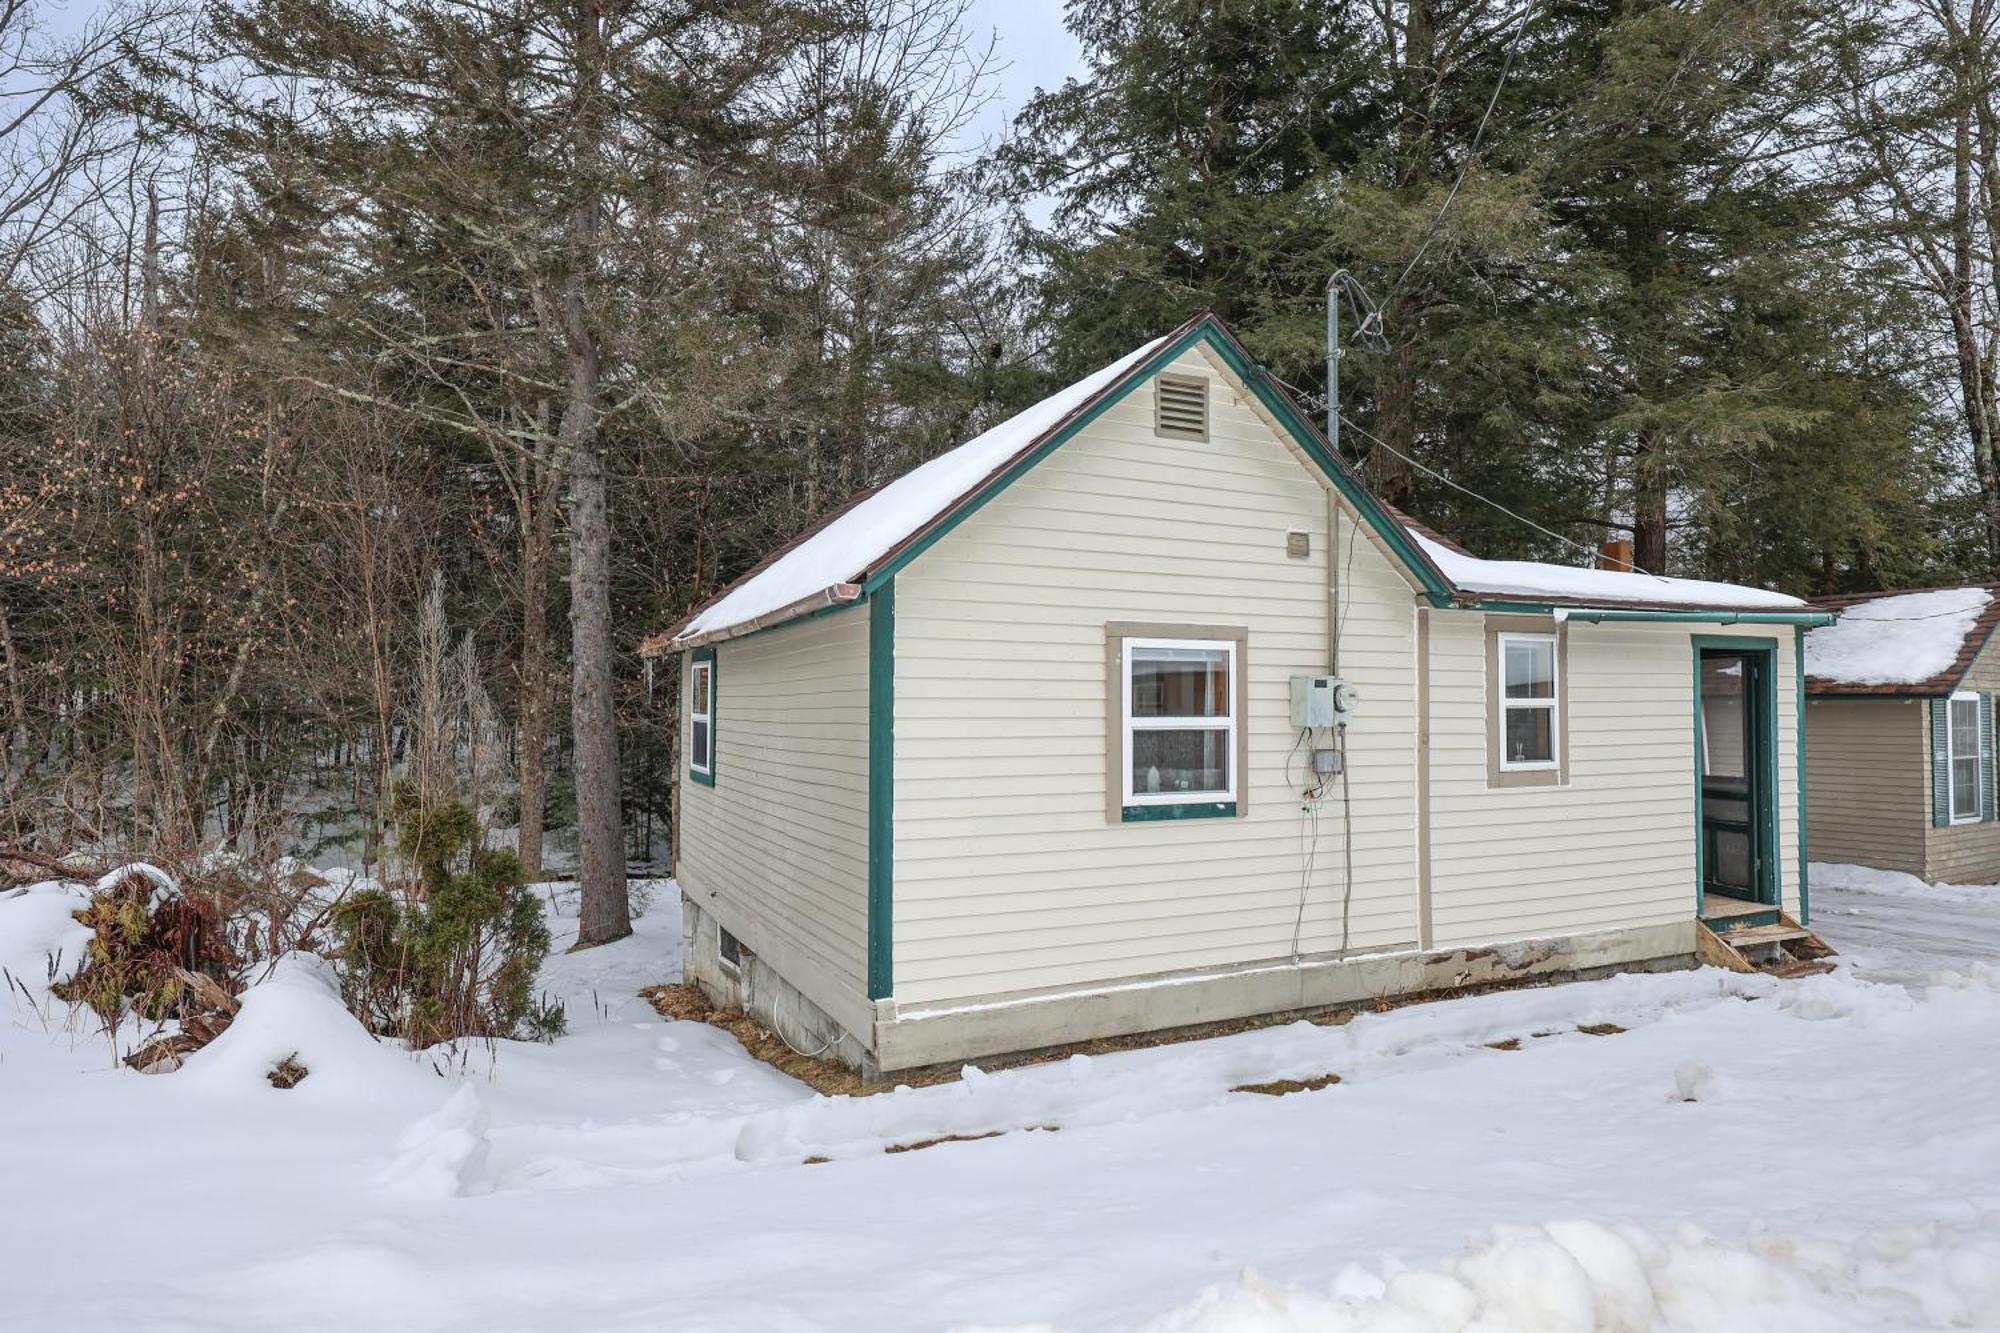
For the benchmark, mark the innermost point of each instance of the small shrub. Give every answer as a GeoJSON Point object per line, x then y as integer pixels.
{"type": "Point", "coordinates": [458, 960]}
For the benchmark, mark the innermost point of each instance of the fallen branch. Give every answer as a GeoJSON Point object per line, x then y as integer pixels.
{"type": "Point", "coordinates": [53, 865]}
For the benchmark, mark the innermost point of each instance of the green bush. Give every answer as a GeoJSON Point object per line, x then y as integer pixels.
{"type": "Point", "coordinates": [457, 958]}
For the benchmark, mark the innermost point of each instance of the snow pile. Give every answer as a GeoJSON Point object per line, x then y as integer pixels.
{"type": "Point", "coordinates": [1898, 884]}
{"type": "Point", "coordinates": [295, 1013]}
{"type": "Point", "coordinates": [846, 548]}
{"type": "Point", "coordinates": [1528, 578]}
{"type": "Point", "coordinates": [444, 1154]}
{"type": "Point", "coordinates": [164, 886]}
{"type": "Point", "coordinates": [40, 939]}
{"type": "Point", "coordinates": [1582, 1277]}
{"type": "Point", "coordinates": [1083, 1091]}
{"type": "Point", "coordinates": [1895, 640]}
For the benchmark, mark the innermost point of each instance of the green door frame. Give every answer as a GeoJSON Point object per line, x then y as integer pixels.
{"type": "Point", "coordinates": [1764, 787]}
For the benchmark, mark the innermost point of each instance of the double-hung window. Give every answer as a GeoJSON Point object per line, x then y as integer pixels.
{"type": "Point", "coordinates": [1179, 724]}
{"type": "Point", "coordinates": [1530, 725]}
{"type": "Point", "coordinates": [701, 717]}
{"type": "Point", "coordinates": [1962, 738]}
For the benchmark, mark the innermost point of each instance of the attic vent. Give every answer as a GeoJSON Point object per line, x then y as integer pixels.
{"type": "Point", "coordinates": [1181, 406]}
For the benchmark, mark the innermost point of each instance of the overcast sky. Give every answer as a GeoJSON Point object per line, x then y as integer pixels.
{"type": "Point", "coordinates": [1031, 48]}
{"type": "Point", "coordinates": [1031, 45]}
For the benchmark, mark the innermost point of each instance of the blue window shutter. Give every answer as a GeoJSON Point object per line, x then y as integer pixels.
{"type": "Point", "coordinates": [1985, 755]}
{"type": "Point", "coordinates": [1940, 762]}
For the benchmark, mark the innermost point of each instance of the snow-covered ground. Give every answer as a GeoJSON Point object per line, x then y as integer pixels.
{"type": "Point", "coordinates": [1747, 1154]}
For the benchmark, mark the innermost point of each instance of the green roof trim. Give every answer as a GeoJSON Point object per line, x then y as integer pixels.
{"type": "Point", "coordinates": [1205, 331]}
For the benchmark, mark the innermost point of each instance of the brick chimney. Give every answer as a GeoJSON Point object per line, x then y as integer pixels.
{"type": "Point", "coordinates": [1615, 553]}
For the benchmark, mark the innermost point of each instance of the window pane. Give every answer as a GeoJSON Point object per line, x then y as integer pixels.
{"type": "Point", "coordinates": [1730, 859]}
{"type": "Point", "coordinates": [1965, 787]}
{"type": "Point", "coordinates": [1180, 761]}
{"type": "Point", "coordinates": [1180, 682]}
{"type": "Point", "coordinates": [1731, 809]}
{"type": "Point", "coordinates": [1965, 727]}
{"type": "Point", "coordinates": [698, 743]}
{"type": "Point", "coordinates": [1531, 669]}
{"type": "Point", "coordinates": [1530, 735]}
{"type": "Point", "coordinates": [1725, 716]}
{"type": "Point", "coordinates": [700, 690]}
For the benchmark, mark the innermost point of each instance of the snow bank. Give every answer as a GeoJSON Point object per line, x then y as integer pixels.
{"type": "Point", "coordinates": [446, 1153]}
{"type": "Point", "coordinates": [39, 932]}
{"type": "Point", "coordinates": [1082, 1091]}
{"type": "Point", "coordinates": [1895, 640]}
{"type": "Point", "coordinates": [1897, 884]}
{"type": "Point", "coordinates": [846, 548]}
{"type": "Point", "coordinates": [295, 1013]}
{"type": "Point", "coordinates": [1528, 578]}
{"type": "Point", "coordinates": [1581, 1277]}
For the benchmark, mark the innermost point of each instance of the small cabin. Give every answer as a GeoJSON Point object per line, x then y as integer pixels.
{"type": "Point", "coordinates": [1139, 712]}
{"type": "Point", "coordinates": [1900, 711]}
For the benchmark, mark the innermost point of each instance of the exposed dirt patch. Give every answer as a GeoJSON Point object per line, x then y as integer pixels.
{"type": "Point", "coordinates": [1600, 1029]}
{"type": "Point", "coordinates": [288, 1072]}
{"type": "Point", "coordinates": [1511, 1044]}
{"type": "Point", "coordinates": [683, 1001]}
{"type": "Point", "coordinates": [1283, 1086]}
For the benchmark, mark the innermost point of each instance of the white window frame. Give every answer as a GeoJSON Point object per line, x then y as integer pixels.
{"type": "Point", "coordinates": [1952, 756]}
{"type": "Point", "coordinates": [1226, 725]}
{"type": "Point", "coordinates": [1551, 705]}
{"type": "Point", "coordinates": [701, 708]}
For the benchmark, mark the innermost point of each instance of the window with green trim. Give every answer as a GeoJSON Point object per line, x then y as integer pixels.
{"type": "Point", "coordinates": [701, 717]}
{"type": "Point", "coordinates": [1962, 740]}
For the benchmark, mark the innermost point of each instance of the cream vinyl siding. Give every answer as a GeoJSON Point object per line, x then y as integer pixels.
{"type": "Point", "coordinates": [1868, 782]}
{"type": "Point", "coordinates": [777, 849]}
{"type": "Point", "coordinates": [1009, 876]}
{"type": "Point", "coordinates": [1614, 847]}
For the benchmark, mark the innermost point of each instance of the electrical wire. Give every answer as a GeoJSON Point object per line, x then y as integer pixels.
{"type": "Point", "coordinates": [1478, 134]}
{"type": "Point", "coordinates": [1309, 398]}
{"type": "Point", "coordinates": [778, 1026]}
{"type": "Point", "coordinates": [1519, 518]}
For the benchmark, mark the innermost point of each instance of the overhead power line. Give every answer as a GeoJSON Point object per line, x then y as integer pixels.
{"type": "Point", "coordinates": [1463, 489]}
{"type": "Point", "coordinates": [1478, 135]}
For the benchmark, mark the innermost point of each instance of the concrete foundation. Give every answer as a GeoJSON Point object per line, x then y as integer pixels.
{"type": "Point", "coordinates": [919, 1036]}
{"type": "Point", "coordinates": [756, 988]}
{"type": "Point", "coordinates": [995, 1025]}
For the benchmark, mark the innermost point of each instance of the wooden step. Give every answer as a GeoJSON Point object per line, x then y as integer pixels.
{"type": "Point", "coordinates": [1744, 937]}
{"type": "Point", "coordinates": [1794, 951]}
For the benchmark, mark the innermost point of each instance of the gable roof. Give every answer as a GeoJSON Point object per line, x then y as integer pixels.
{"type": "Point", "coordinates": [1910, 642]}
{"type": "Point", "coordinates": [859, 547]}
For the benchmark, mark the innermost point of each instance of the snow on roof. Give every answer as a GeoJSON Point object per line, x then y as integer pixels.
{"type": "Point", "coordinates": [846, 548]}
{"type": "Point", "coordinates": [1904, 639]}
{"type": "Point", "coordinates": [1528, 578]}
{"type": "Point", "coordinates": [824, 567]}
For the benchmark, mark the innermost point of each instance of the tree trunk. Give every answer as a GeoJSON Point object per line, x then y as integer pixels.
{"type": "Point", "coordinates": [605, 913]}
{"type": "Point", "coordinates": [531, 735]}
{"type": "Point", "coordinates": [1649, 505]}
{"type": "Point", "coordinates": [1396, 415]}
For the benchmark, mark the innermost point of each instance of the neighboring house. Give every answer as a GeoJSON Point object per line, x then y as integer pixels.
{"type": "Point", "coordinates": [1901, 723]}
{"type": "Point", "coordinates": [1003, 755]}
